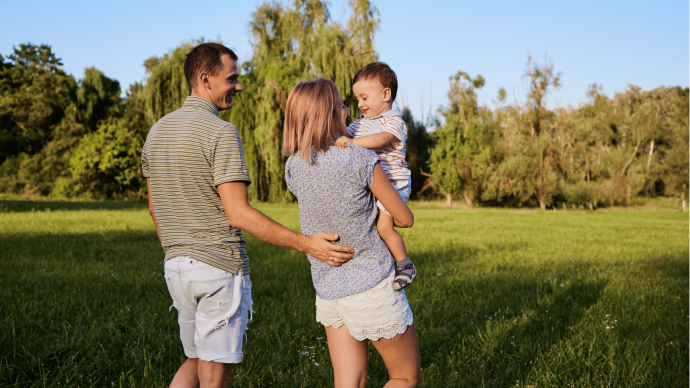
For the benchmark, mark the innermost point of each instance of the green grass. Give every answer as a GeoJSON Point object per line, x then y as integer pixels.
{"type": "Point", "coordinates": [504, 298]}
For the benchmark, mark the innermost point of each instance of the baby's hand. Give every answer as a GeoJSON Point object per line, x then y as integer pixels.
{"type": "Point", "coordinates": [342, 142]}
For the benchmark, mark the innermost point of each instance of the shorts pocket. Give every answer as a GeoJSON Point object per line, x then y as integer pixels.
{"type": "Point", "coordinates": [171, 289]}
{"type": "Point", "coordinates": [214, 296]}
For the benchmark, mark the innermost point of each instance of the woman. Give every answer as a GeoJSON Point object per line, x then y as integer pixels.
{"type": "Point", "coordinates": [337, 191]}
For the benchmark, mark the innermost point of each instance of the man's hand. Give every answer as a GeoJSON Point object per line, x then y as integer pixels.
{"type": "Point", "coordinates": [243, 216]}
{"type": "Point", "coordinates": [321, 247]}
{"type": "Point", "coordinates": [342, 142]}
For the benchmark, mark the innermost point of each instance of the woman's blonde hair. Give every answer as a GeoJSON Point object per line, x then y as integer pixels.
{"type": "Point", "coordinates": [310, 118]}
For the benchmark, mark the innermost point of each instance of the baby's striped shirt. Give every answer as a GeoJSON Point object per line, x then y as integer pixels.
{"type": "Point", "coordinates": [392, 155]}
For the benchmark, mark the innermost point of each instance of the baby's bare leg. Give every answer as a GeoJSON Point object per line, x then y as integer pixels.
{"type": "Point", "coordinates": [404, 269]}
{"type": "Point", "coordinates": [391, 237]}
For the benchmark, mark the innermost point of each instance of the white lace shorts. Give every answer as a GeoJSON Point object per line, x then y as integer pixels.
{"type": "Point", "coordinates": [373, 314]}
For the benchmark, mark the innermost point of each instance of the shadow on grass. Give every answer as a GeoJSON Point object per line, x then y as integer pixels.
{"type": "Point", "coordinates": [7, 206]}
{"type": "Point", "coordinates": [83, 305]}
{"type": "Point", "coordinates": [96, 305]}
{"type": "Point", "coordinates": [485, 319]}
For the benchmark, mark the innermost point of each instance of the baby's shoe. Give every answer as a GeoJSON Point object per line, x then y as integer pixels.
{"type": "Point", "coordinates": [404, 273]}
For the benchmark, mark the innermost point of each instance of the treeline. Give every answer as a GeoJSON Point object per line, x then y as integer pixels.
{"type": "Point", "coordinates": [62, 137]}
{"type": "Point", "coordinates": [605, 152]}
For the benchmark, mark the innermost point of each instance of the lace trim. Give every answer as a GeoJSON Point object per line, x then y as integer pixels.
{"type": "Point", "coordinates": [376, 313]}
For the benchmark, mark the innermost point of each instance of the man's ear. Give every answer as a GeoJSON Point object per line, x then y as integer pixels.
{"type": "Point", "coordinates": [387, 94]}
{"type": "Point", "coordinates": [203, 80]}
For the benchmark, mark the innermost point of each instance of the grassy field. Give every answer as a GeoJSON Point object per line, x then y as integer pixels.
{"type": "Point", "coordinates": [504, 298]}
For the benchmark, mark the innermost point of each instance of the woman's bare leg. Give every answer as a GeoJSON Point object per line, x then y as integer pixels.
{"type": "Point", "coordinates": [349, 358]}
{"type": "Point", "coordinates": [401, 356]}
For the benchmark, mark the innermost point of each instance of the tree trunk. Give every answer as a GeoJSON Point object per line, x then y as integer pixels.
{"type": "Point", "coordinates": [449, 200]}
{"type": "Point", "coordinates": [682, 204]}
{"type": "Point", "coordinates": [542, 205]}
{"type": "Point", "coordinates": [651, 151]}
{"type": "Point", "coordinates": [468, 198]}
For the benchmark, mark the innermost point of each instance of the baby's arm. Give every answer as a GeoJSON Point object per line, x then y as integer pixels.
{"type": "Point", "coordinates": [370, 142]}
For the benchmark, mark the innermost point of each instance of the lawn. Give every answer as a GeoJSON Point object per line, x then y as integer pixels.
{"type": "Point", "coordinates": [504, 298]}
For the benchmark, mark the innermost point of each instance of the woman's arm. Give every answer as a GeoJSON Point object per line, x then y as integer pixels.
{"type": "Point", "coordinates": [390, 199]}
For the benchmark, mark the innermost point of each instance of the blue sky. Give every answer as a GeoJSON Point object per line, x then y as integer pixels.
{"type": "Point", "coordinates": [611, 43]}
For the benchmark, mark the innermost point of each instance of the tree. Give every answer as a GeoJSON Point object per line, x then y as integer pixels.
{"type": "Point", "coordinates": [106, 162]}
{"type": "Point", "coordinates": [294, 43]}
{"type": "Point", "coordinates": [34, 94]}
{"type": "Point", "coordinates": [462, 97]}
{"type": "Point", "coordinates": [98, 98]}
{"type": "Point", "coordinates": [419, 145]}
{"type": "Point", "coordinates": [528, 169]}
{"type": "Point", "coordinates": [462, 152]}
{"type": "Point", "coordinates": [540, 78]}
{"type": "Point", "coordinates": [166, 86]}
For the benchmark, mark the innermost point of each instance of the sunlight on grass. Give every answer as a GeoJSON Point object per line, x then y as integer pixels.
{"type": "Point", "coordinates": [504, 298]}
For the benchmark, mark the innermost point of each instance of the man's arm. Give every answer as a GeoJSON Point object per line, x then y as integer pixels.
{"type": "Point", "coordinates": [151, 211]}
{"type": "Point", "coordinates": [374, 141]}
{"type": "Point", "coordinates": [243, 216]}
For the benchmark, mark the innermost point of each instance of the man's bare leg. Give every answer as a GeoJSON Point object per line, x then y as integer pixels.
{"type": "Point", "coordinates": [213, 374]}
{"type": "Point", "coordinates": [186, 376]}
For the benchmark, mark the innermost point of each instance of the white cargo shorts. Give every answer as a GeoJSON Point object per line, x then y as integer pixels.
{"type": "Point", "coordinates": [213, 309]}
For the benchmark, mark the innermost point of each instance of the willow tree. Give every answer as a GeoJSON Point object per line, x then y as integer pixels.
{"type": "Point", "coordinates": [166, 86]}
{"type": "Point", "coordinates": [294, 43]}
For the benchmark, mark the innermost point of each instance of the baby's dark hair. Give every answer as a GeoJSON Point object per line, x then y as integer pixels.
{"type": "Point", "coordinates": [380, 72]}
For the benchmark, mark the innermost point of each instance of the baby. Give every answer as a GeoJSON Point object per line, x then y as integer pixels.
{"type": "Point", "coordinates": [382, 130]}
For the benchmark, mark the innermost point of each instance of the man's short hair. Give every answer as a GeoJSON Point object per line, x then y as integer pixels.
{"type": "Point", "coordinates": [205, 57]}
{"type": "Point", "coordinates": [380, 72]}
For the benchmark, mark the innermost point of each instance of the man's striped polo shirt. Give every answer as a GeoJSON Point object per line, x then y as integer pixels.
{"type": "Point", "coordinates": [187, 154]}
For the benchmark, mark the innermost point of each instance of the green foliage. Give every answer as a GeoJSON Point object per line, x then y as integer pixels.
{"type": "Point", "coordinates": [444, 160]}
{"type": "Point", "coordinates": [552, 299]}
{"type": "Point", "coordinates": [419, 145]}
{"type": "Point", "coordinates": [106, 162]}
{"type": "Point", "coordinates": [166, 86]}
{"type": "Point", "coordinates": [98, 98]}
{"type": "Point", "coordinates": [605, 152]}
{"type": "Point", "coordinates": [461, 158]}
{"type": "Point", "coordinates": [46, 117]}
{"type": "Point", "coordinates": [293, 43]}
{"type": "Point", "coordinates": [34, 93]}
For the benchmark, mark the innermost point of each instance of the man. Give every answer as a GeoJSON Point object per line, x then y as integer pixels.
{"type": "Point", "coordinates": [197, 180]}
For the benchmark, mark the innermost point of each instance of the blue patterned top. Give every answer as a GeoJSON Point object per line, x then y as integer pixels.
{"type": "Point", "coordinates": [334, 195]}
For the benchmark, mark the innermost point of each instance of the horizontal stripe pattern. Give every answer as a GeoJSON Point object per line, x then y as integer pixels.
{"type": "Point", "coordinates": [392, 155]}
{"type": "Point", "coordinates": [187, 154]}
